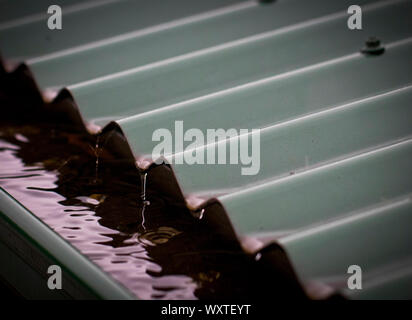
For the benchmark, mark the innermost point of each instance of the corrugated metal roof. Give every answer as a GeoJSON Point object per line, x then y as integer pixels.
{"type": "Point", "coordinates": [334, 183]}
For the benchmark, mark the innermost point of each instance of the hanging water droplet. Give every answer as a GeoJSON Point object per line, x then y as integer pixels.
{"type": "Point", "coordinates": [143, 198]}
{"type": "Point", "coordinates": [97, 153]}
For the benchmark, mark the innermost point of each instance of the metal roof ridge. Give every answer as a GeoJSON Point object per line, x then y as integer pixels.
{"type": "Point", "coordinates": [255, 83]}
{"type": "Point", "coordinates": [259, 240]}
{"type": "Point", "coordinates": [346, 219]}
{"type": "Point", "coordinates": [203, 16]}
{"type": "Point", "coordinates": [362, 155]}
{"type": "Point", "coordinates": [220, 193]}
{"type": "Point", "coordinates": [227, 45]}
{"type": "Point", "coordinates": [206, 51]}
{"type": "Point", "coordinates": [247, 85]}
{"type": "Point", "coordinates": [301, 118]}
{"type": "Point", "coordinates": [146, 31]}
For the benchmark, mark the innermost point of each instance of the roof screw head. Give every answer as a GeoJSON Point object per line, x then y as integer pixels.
{"type": "Point", "coordinates": [373, 42]}
{"type": "Point", "coordinates": [373, 47]}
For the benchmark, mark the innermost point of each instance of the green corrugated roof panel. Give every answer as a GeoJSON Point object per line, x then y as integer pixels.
{"type": "Point", "coordinates": [296, 139]}
{"type": "Point", "coordinates": [91, 21]}
{"type": "Point", "coordinates": [334, 183]}
{"type": "Point", "coordinates": [207, 71]}
{"type": "Point", "coordinates": [170, 39]}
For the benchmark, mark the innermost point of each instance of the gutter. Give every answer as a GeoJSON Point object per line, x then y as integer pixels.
{"type": "Point", "coordinates": [31, 247]}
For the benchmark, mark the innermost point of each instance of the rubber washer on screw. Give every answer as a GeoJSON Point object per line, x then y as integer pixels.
{"type": "Point", "coordinates": [373, 47]}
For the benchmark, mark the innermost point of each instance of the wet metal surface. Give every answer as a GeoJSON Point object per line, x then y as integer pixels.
{"type": "Point", "coordinates": [98, 207]}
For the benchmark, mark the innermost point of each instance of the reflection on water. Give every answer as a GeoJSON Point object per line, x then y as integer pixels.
{"type": "Point", "coordinates": [96, 204]}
